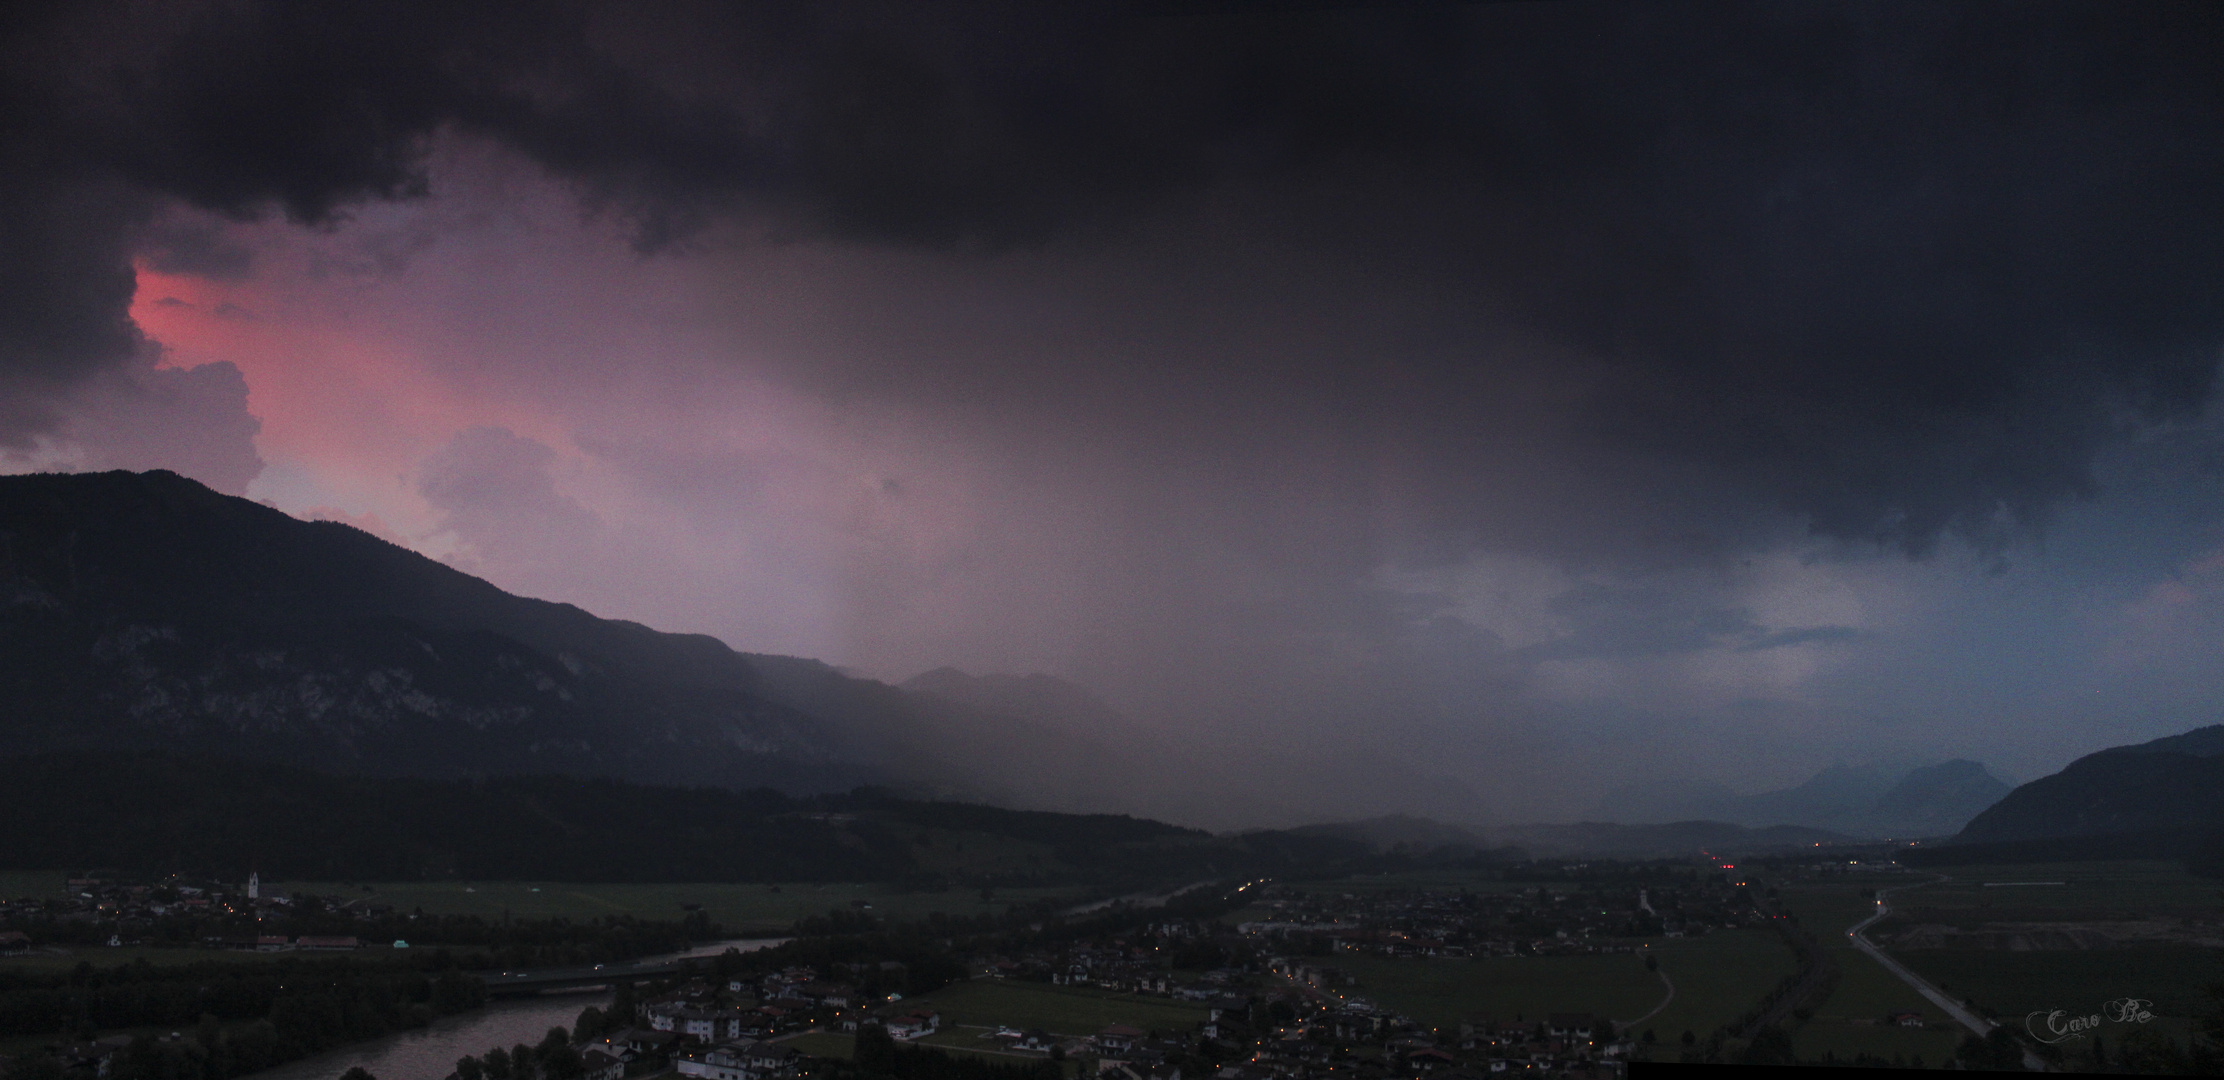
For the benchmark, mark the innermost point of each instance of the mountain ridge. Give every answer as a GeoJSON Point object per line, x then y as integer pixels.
{"type": "Point", "coordinates": [2174, 782]}
{"type": "Point", "coordinates": [145, 611]}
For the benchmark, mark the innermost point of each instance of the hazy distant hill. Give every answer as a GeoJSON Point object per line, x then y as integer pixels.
{"type": "Point", "coordinates": [1866, 801]}
{"type": "Point", "coordinates": [1670, 840]}
{"type": "Point", "coordinates": [2173, 783]}
{"type": "Point", "coordinates": [1936, 800]}
{"type": "Point", "coordinates": [1403, 832]}
{"type": "Point", "coordinates": [1037, 740]}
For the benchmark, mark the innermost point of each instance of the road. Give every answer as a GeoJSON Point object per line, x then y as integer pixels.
{"type": "Point", "coordinates": [1144, 899]}
{"type": "Point", "coordinates": [1978, 1025]}
{"type": "Point", "coordinates": [1631, 1025]}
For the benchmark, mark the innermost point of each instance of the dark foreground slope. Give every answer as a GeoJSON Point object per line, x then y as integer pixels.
{"type": "Point", "coordinates": [152, 813]}
{"type": "Point", "coordinates": [2171, 783]}
{"type": "Point", "coordinates": [2158, 799]}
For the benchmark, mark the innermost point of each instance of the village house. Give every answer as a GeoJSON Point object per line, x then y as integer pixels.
{"type": "Point", "coordinates": [600, 1064]}
{"type": "Point", "coordinates": [914, 1024]}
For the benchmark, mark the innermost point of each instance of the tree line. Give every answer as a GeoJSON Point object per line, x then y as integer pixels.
{"type": "Point", "coordinates": [234, 1018]}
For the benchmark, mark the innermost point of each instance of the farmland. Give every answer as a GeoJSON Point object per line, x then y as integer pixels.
{"type": "Point", "coordinates": [739, 908]}
{"type": "Point", "coordinates": [1063, 1010]}
{"type": "Point", "coordinates": [1850, 1022]}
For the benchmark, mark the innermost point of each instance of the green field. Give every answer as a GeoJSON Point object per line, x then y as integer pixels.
{"type": "Point", "coordinates": [100, 956]}
{"type": "Point", "coordinates": [1061, 1010]}
{"type": "Point", "coordinates": [2100, 889]}
{"type": "Point", "coordinates": [2007, 983]}
{"type": "Point", "coordinates": [39, 884]}
{"type": "Point", "coordinates": [740, 908]}
{"type": "Point", "coordinates": [1848, 1022]}
{"type": "Point", "coordinates": [1419, 880]}
{"type": "Point", "coordinates": [2011, 983]}
{"type": "Point", "coordinates": [1718, 977]}
{"type": "Point", "coordinates": [2014, 983]}
{"type": "Point", "coordinates": [1442, 992]}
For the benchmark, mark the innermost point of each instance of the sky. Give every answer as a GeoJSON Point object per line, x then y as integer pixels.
{"type": "Point", "coordinates": [1511, 400]}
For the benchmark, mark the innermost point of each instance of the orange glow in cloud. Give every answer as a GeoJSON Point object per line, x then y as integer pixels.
{"type": "Point", "coordinates": [350, 407]}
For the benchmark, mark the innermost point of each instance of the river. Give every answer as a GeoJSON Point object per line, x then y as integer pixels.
{"type": "Point", "coordinates": [430, 1053]}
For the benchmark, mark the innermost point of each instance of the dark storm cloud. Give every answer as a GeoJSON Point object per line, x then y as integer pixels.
{"type": "Point", "coordinates": [1623, 621]}
{"type": "Point", "coordinates": [1899, 269]}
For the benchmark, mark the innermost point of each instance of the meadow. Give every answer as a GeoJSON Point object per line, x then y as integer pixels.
{"type": "Point", "coordinates": [38, 884]}
{"type": "Point", "coordinates": [1442, 992]}
{"type": "Point", "coordinates": [2006, 983]}
{"type": "Point", "coordinates": [1718, 977]}
{"type": "Point", "coordinates": [1849, 1022]}
{"type": "Point", "coordinates": [2012, 984]}
{"type": "Point", "coordinates": [2101, 890]}
{"type": "Point", "coordinates": [101, 956]}
{"type": "Point", "coordinates": [1061, 1010]}
{"type": "Point", "coordinates": [2175, 976]}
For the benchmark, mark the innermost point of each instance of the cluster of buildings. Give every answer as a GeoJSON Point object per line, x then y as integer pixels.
{"type": "Point", "coordinates": [730, 1032]}
{"type": "Point", "coordinates": [104, 911]}
{"type": "Point", "coordinates": [1309, 1035]}
{"type": "Point", "coordinates": [1271, 1019]}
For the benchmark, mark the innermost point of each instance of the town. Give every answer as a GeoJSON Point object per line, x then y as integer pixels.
{"type": "Point", "coordinates": [1268, 1002]}
{"type": "Point", "coordinates": [1258, 980]}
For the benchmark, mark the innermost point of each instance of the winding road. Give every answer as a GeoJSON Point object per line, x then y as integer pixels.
{"type": "Point", "coordinates": [1626, 1025]}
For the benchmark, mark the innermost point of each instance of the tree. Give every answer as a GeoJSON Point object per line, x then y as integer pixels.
{"type": "Point", "coordinates": [467, 1068]}
{"type": "Point", "coordinates": [876, 1052]}
{"type": "Point", "coordinates": [590, 1024]}
{"type": "Point", "coordinates": [357, 1073]}
{"type": "Point", "coordinates": [1770, 1046]}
